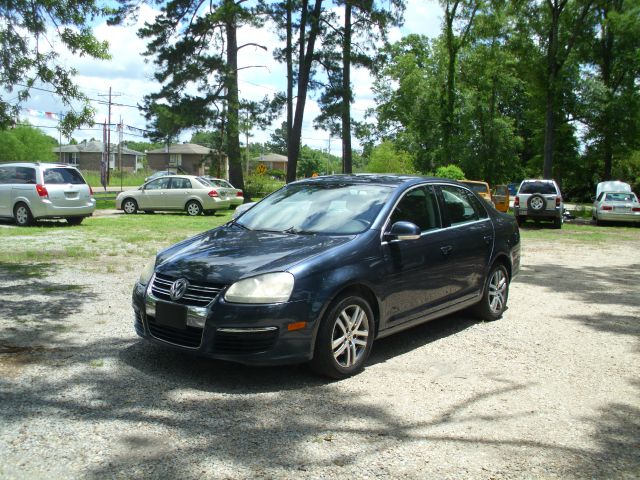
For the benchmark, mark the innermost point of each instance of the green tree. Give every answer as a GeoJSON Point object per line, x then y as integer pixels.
{"type": "Point", "coordinates": [27, 31]}
{"type": "Point", "coordinates": [385, 158]}
{"type": "Point", "coordinates": [196, 45]}
{"type": "Point", "coordinates": [26, 144]}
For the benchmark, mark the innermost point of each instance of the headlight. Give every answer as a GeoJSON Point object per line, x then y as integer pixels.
{"type": "Point", "coordinates": [267, 288]}
{"type": "Point", "coordinates": [147, 273]}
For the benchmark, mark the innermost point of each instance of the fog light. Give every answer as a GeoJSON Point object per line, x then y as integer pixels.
{"type": "Point", "coordinates": [296, 326]}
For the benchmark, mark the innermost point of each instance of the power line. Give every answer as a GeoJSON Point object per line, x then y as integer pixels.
{"type": "Point", "coordinates": [92, 99]}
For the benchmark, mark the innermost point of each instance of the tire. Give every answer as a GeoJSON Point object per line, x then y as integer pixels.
{"type": "Point", "coordinates": [536, 202]}
{"type": "Point", "coordinates": [557, 223]}
{"type": "Point", "coordinates": [345, 338]}
{"type": "Point", "coordinates": [22, 215]}
{"type": "Point", "coordinates": [519, 220]}
{"type": "Point", "coordinates": [495, 295]}
{"type": "Point", "coordinates": [130, 206]}
{"type": "Point", "coordinates": [74, 220]}
{"type": "Point", "coordinates": [149, 211]}
{"type": "Point", "coordinates": [193, 208]}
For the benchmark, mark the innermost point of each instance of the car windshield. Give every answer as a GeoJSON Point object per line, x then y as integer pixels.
{"type": "Point", "coordinates": [545, 188]}
{"type": "Point", "coordinates": [61, 176]}
{"type": "Point", "coordinates": [330, 208]}
{"type": "Point", "coordinates": [620, 197]}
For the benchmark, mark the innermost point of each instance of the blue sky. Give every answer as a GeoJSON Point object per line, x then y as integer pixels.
{"type": "Point", "coordinates": [131, 78]}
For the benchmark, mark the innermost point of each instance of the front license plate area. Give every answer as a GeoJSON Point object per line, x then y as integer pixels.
{"type": "Point", "coordinates": [171, 315]}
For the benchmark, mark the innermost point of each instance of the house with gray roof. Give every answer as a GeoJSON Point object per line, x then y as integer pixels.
{"type": "Point", "coordinates": [87, 155]}
{"type": "Point", "coordinates": [188, 158]}
{"type": "Point", "coordinates": [272, 161]}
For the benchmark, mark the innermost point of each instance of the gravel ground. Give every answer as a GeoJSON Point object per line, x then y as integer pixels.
{"type": "Point", "coordinates": [550, 391]}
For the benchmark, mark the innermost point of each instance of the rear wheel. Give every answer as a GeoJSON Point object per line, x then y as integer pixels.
{"type": "Point", "coordinates": [193, 208]}
{"type": "Point", "coordinates": [495, 295]}
{"type": "Point", "coordinates": [74, 220]}
{"type": "Point", "coordinates": [22, 215]}
{"type": "Point", "coordinates": [557, 223]}
{"type": "Point", "coordinates": [345, 338]}
{"type": "Point", "coordinates": [130, 206]}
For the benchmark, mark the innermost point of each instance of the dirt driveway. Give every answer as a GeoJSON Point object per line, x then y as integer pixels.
{"type": "Point", "coordinates": [550, 391]}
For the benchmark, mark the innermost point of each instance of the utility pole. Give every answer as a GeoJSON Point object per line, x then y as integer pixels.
{"type": "Point", "coordinates": [120, 150]}
{"type": "Point", "coordinates": [109, 132]}
{"type": "Point", "coordinates": [328, 153]}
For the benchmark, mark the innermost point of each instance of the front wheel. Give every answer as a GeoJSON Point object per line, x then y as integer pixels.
{"type": "Point", "coordinates": [495, 295]}
{"type": "Point", "coordinates": [345, 338]}
{"type": "Point", "coordinates": [193, 208]}
{"type": "Point", "coordinates": [129, 206]}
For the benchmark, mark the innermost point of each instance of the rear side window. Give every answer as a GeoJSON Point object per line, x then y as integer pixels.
{"type": "Point", "coordinates": [180, 183]}
{"type": "Point", "coordinates": [61, 176]}
{"type": "Point", "coordinates": [546, 188]}
{"type": "Point", "coordinates": [458, 206]}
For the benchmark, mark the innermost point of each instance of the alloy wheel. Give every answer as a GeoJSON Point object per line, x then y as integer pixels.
{"type": "Point", "coordinates": [537, 203]}
{"type": "Point", "coordinates": [349, 336]}
{"type": "Point", "coordinates": [497, 291]}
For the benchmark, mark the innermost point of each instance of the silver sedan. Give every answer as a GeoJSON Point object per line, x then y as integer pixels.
{"type": "Point", "coordinates": [616, 207]}
{"type": "Point", "coordinates": [173, 192]}
{"type": "Point", "coordinates": [235, 195]}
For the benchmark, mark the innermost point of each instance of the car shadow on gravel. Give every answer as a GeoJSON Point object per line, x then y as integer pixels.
{"type": "Point", "coordinates": [419, 336]}
{"type": "Point", "coordinates": [615, 285]}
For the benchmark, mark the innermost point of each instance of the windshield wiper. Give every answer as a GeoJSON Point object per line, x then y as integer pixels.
{"type": "Point", "coordinates": [233, 222]}
{"type": "Point", "coordinates": [296, 231]}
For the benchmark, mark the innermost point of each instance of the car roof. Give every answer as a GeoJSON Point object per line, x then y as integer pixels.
{"type": "Point", "coordinates": [36, 164]}
{"type": "Point", "coordinates": [373, 179]}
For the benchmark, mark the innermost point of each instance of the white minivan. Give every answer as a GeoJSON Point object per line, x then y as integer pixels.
{"type": "Point", "coordinates": [33, 191]}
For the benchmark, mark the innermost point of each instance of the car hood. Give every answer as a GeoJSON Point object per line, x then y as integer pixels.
{"type": "Point", "coordinates": [229, 253]}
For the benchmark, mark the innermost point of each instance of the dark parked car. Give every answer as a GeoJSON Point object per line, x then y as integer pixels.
{"type": "Point", "coordinates": [319, 269]}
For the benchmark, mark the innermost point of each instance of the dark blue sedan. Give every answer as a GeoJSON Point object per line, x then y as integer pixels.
{"type": "Point", "coordinates": [322, 267]}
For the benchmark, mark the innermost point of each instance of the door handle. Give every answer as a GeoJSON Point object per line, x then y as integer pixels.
{"type": "Point", "coordinates": [446, 250]}
{"type": "Point", "coordinates": [488, 238]}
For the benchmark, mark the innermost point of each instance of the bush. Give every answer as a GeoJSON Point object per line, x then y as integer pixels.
{"type": "Point", "coordinates": [260, 185]}
{"type": "Point", "coordinates": [450, 171]}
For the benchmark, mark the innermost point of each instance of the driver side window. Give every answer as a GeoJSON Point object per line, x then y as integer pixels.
{"type": "Point", "coordinates": [418, 206]}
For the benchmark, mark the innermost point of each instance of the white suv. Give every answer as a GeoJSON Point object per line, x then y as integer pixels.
{"type": "Point", "coordinates": [539, 200]}
{"type": "Point", "coordinates": [31, 191]}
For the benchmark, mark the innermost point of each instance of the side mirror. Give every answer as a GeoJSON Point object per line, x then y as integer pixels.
{"type": "Point", "coordinates": [403, 231]}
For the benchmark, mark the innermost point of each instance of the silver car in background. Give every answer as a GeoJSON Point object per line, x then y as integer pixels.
{"type": "Point", "coordinates": [173, 192]}
{"type": "Point", "coordinates": [616, 207]}
{"type": "Point", "coordinates": [34, 191]}
{"type": "Point", "coordinates": [226, 190]}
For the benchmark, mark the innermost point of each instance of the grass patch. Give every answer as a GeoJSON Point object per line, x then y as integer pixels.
{"type": "Point", "coordinates": [579, 233]}
{"type": "Point", "coordinates": [129, 179]}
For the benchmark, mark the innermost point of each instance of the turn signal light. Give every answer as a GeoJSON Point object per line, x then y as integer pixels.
{"type": "Point", "coordinates": [90, 191]}
{"type": "Point", "coordinates": [635, 209]}
{"type": "Point", "coordinates": [239, 193]}
{"type": "Point", "coordinates": [42, 191]}
{"type": "Point", "coordinates": [213, 193]}
{"type": "Point", "coordinates": [558, 200]}
{"type": "Point", "coordinates": [516, 202]}
{"type": "Point", "coordinates": [296, 326]}
{"type": "Point", "coordinates": [607, 207]}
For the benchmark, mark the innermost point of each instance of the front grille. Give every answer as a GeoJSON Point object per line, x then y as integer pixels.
{"type": "Point", "coordinates": [197, 295]}
{"type": "Point", "coordinates": [244, 342]}
{"type": "Point", "coordinates": [189, 337]}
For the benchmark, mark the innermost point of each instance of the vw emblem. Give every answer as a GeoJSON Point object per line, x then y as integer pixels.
{"type": "Point", "coordinates": [178, 289]}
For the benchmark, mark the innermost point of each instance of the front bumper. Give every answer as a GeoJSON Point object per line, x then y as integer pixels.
{"type": "Point", "coordinates": [248, 334]}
